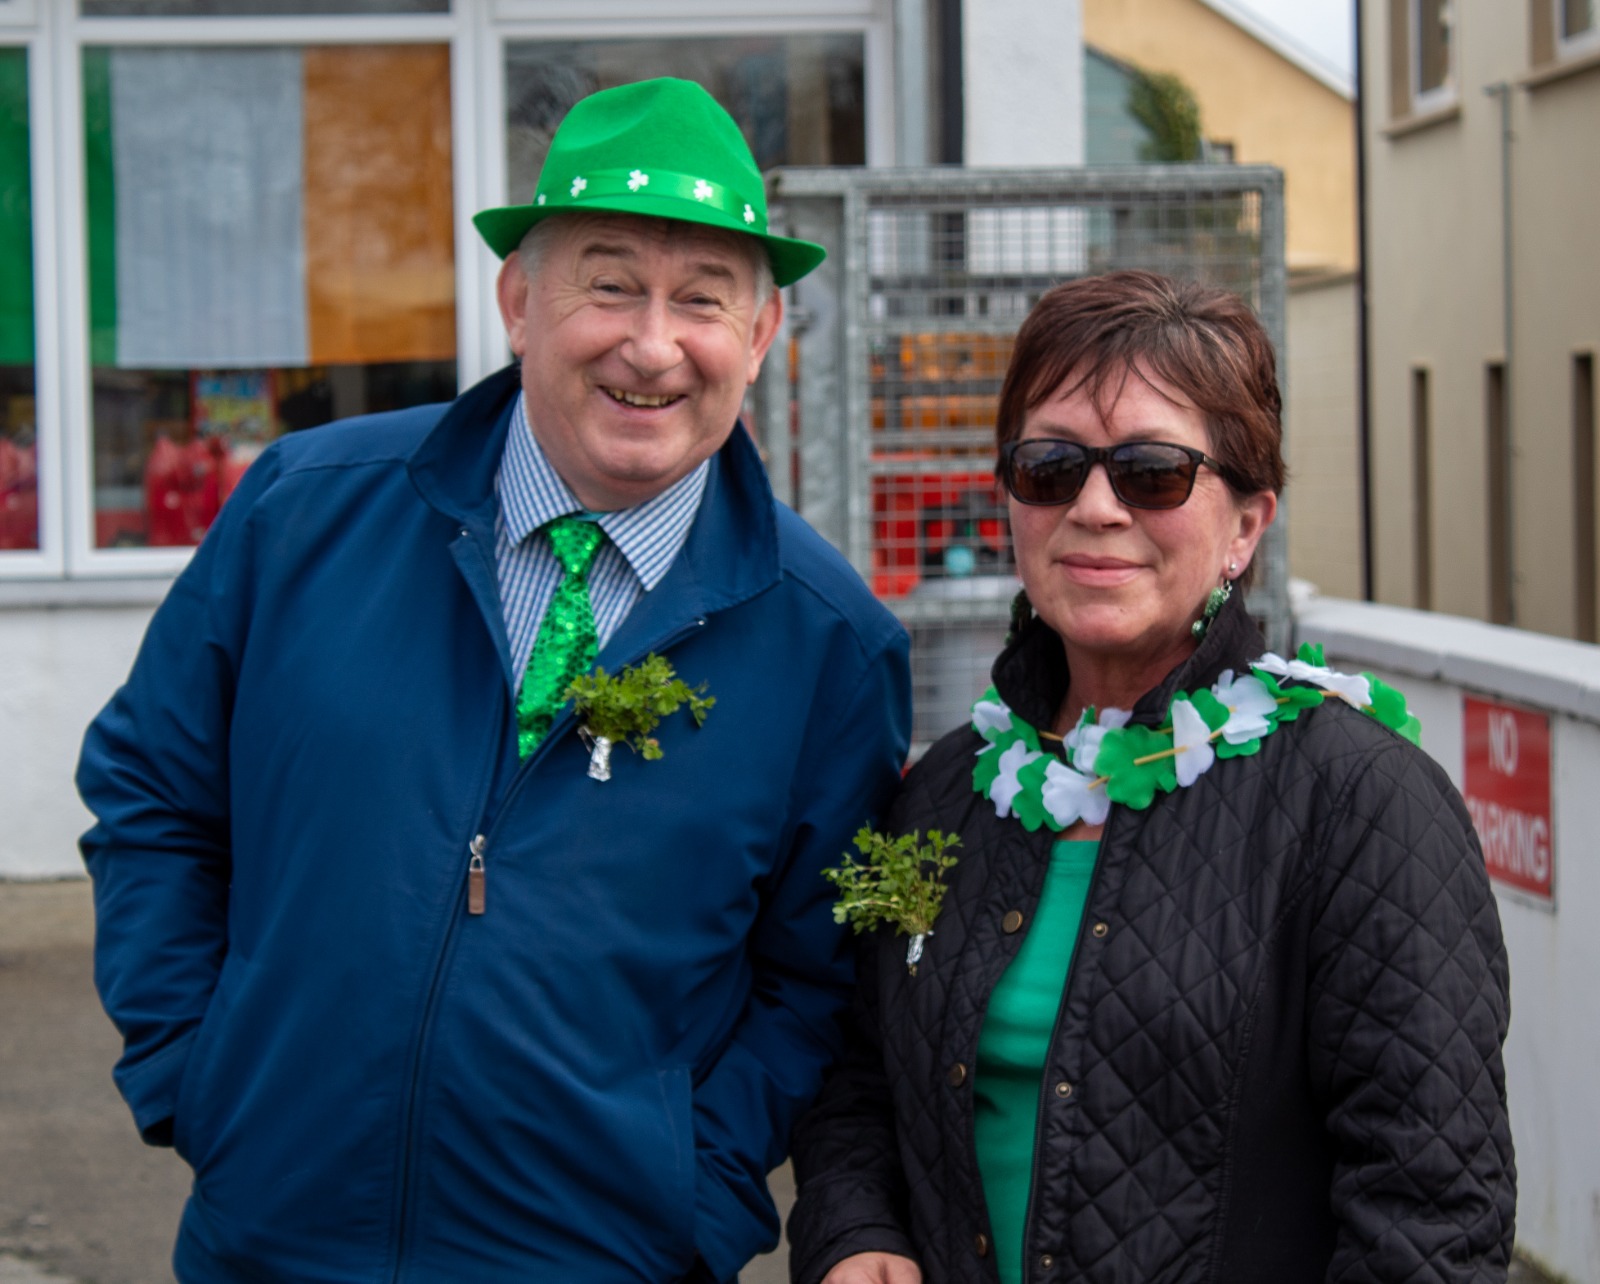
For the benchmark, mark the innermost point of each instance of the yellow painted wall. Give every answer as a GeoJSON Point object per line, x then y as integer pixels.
{"type": "Point", "coordinates": [1271, 110]}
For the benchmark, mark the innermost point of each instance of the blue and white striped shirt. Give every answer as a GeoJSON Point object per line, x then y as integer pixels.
{"type": "Point", "coordinates": [641, 542]}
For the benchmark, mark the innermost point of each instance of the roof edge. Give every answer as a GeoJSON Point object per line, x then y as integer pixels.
{"type": "Point", "coordinates": [1285, 46]}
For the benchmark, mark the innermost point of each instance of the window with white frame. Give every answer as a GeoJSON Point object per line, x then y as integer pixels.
{"type": "Point", "coordinates": [270, 235]}
{"type": "Point", "coordinates": [225, 220]}
{"type": "Point", "coordinates": [1433, 54]}
{"type": "Point", "coordinates": [1577, 28]}
{"type": "Point", "coordinates": [1422, 57]}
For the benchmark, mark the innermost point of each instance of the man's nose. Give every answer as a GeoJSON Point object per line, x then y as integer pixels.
{"type": "Point", "coordinates": [652, 344]}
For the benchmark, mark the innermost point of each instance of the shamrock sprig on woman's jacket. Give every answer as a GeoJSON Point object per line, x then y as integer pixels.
{"type": "Point", "coordinates": [901, 882]}
{"type": "Point", "coordinates": [1108, 760]}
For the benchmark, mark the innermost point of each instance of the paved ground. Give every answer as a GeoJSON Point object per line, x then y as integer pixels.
{"type": "Point", "coordinates": [82, 1200]}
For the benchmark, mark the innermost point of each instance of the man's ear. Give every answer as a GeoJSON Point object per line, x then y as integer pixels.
{"type": "Point", "coordinates": [511, 290]}
{"type": "Point", "coordinates": [768, 318]}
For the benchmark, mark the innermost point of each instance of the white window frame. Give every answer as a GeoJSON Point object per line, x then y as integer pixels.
{"type": "Point", "coordinates": [1441, 96]}
{"type": "Point", "coordinates": [476, 32]}
{"type": "Point", "coordinates": [47, 560]}
{"type": "Point", "coordinates": [17, 13]}
{"type": "Point", "coordinates": [1580, 45]}
{"type": "Point", "coordinates": [83, 559]}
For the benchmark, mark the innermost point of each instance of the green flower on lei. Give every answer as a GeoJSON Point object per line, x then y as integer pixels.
{"type": "Point", "coordinates": [1107, 760]}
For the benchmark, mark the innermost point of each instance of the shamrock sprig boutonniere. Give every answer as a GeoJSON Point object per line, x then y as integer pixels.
{"type": "Point", "coordinates": [899, 881]}
{"type": "Point", "coordinates": [626, 707]}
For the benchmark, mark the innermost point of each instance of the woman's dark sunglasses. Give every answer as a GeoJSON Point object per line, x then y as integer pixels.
{"type": "Point", "coordinates": [1144, 474]}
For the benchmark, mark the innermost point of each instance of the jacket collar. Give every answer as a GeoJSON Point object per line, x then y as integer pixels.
{"type": "Point", "coordinates": [730, 556]}
{"type": "Point", "coordinates": [731, 553]}
{"type": "Point", "coordinates": [1031, 673]}
{"type": "Point", "coordinates": [454, 467]}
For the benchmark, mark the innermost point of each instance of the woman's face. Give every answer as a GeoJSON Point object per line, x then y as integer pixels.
{"type": "Point", "coordinates": [1123, 586]}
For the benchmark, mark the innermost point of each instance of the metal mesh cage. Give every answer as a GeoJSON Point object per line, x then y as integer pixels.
{"type": "Point", "coordinates": [876, 407]}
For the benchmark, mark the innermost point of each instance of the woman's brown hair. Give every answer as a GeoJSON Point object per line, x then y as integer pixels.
{"type": "Point", "coordinates": [1204, 342]}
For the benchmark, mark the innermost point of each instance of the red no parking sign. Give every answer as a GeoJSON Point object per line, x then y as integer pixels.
{"type": "Point", "coordinates": [1507, 789]}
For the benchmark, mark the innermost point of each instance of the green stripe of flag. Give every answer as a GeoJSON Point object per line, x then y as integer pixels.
{"type": "Point", "coordinates": [100, 182]}
{"type": "Point", "coordinates": [16, 213]}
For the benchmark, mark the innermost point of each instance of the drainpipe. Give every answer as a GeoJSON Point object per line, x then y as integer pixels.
{"type": "Point", "coordinates": [1363, 321]}
{"type": "Point", "coordinates": [952, 85]}
{"type": "Point", "coordinates": [1502, 91]}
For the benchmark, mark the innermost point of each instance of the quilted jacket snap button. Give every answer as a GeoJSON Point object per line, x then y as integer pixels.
{"type": "Point", "coordinates": [1011, 922]}
{"type": "Point", "coordinates": [1100, 929]}
{"type": "Point", "coordinates": [1063, 1089]}
{"type": "Point", "coordinates": [980, 1242]}
{"type": "Point", "coordinates": [1046, 1262]}
{"type": "Point", "coordinates": [958, 1075]}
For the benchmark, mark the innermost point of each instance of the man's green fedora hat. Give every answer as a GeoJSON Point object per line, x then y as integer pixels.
{"type": "Point", "coordinates": [661, 149]}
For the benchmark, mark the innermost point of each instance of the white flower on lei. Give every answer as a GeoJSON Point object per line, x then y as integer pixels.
{"type": "Point", "coordinates": [1084, 739]}
{"type": "Point", "coordinates": [1006, 786]}
{"type": "Point", "coordinates": [1068, 797]}
{"type": "Point", "coordinates": [1352, 686]}
{"type": "Point", "coordinates": [1248, 702]}
{"type": "Point", "coordinates": [1192, 739]}
{"type": "Point", "coordinates": [990, 718]}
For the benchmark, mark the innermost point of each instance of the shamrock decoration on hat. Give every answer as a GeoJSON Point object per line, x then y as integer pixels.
{"type": "Point", "coordinates": [660, 148]}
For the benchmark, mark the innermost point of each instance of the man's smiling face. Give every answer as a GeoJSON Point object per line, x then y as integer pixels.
{"type": "Point", "coordinates": [638, 338]}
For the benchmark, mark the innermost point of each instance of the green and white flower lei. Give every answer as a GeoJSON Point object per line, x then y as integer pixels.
{"type": "Point", "coordinates": [1108, 761]}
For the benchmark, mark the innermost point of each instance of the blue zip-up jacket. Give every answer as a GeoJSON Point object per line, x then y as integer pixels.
{"type": "Point", "coordinates": [590, 1080]}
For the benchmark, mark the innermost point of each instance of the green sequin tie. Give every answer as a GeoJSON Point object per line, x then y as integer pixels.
{"type": "Point", "coordinates": [567, 642]}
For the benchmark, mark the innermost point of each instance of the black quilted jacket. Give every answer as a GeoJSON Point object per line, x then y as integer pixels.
{"type": "Point", "coordinates": [1277, 1059]}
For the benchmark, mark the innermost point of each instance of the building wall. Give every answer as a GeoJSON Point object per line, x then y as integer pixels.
{"type": "Point", "coordinates": [1323, 498]}
{"type": "Point", "coordinates": [1272, 111]}
{"type": "Point", "coordinates": [1021, 61]}
{"type": "Point", "coordinates": [60, 667]}
{"type": "Point", "coordinates": [1437, 298]}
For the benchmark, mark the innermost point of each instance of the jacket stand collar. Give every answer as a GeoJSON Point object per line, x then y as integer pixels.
{"type": "Point", "coordinates": [1031, 673]}
{"type": "Point", "coordinates": [731, 553]}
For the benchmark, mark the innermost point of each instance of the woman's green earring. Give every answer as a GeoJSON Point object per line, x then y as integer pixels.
{"type": "Point", "coordinates": [1215, 601]}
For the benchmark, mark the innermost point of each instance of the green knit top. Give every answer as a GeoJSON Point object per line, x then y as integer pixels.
{"type": "Point", "coordinates": [1013, 1045]}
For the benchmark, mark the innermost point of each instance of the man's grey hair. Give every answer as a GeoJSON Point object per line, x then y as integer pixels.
{"type": "Point", "coordinates": [534, 246]}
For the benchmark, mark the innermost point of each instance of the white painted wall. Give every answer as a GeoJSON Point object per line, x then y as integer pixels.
{"type": "Point", "coordinates": [1554, 1045]}
{"type": "Point", "coordinates": [60, 665]}
{"type": "Point", "coordinates": [1022, 61]}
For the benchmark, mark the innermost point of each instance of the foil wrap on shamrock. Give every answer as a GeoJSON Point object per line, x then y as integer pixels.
{"type": "Point", "coordinates": [626, 708]}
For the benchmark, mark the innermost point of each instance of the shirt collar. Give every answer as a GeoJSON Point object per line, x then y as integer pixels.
{"type": "Point", "coordinates": [532, 494]}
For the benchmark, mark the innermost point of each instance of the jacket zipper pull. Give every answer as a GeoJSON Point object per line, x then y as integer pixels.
{"type": "Point", "coordinates": [476, 877]}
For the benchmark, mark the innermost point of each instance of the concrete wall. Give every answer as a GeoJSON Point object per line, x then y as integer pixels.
{"type": "Point", "coordinates": [1554, 1043]}
{"type": "Point", "coordinates": [1437, 292]}
{"type": "Point", "coordinates": [60, 665]}
{"type": "Point", "coordinates": [1270, 109]}
{"type": "Point", "coordinates": [1323, 498]}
